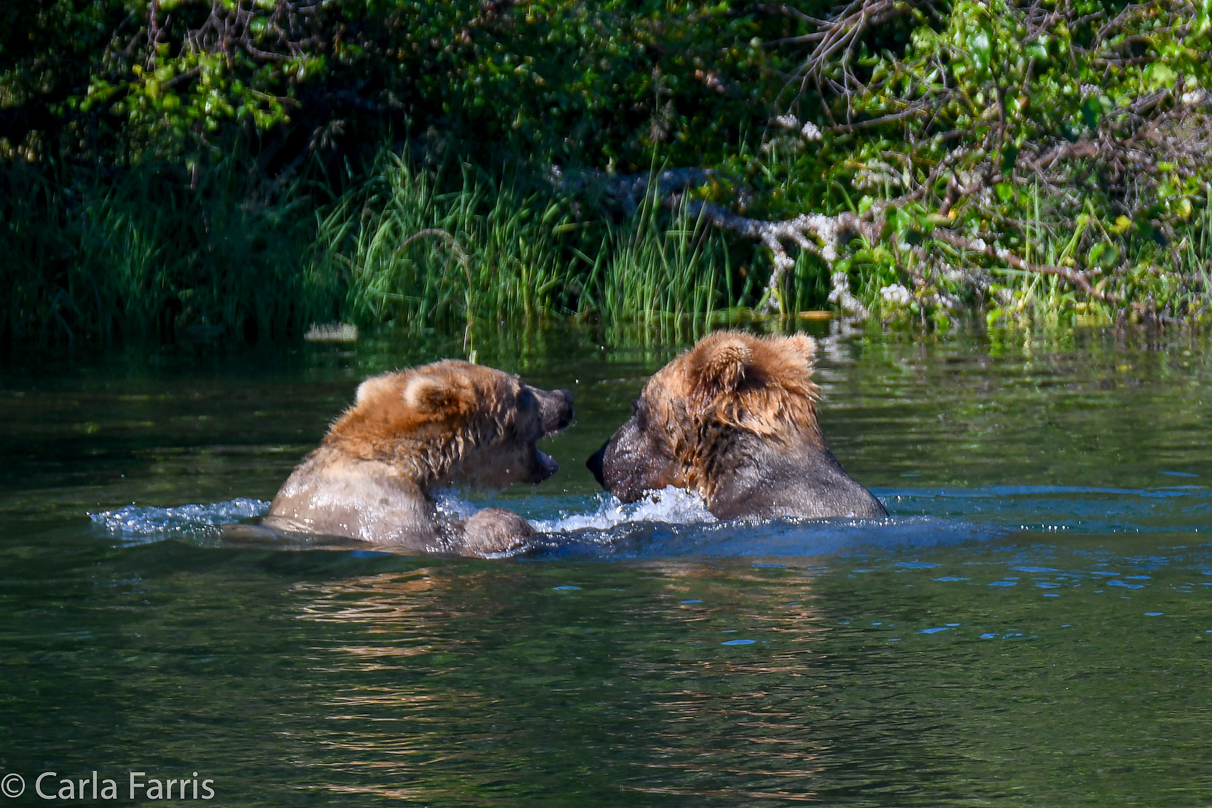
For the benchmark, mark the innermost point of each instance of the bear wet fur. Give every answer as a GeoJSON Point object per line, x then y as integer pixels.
{"type": "Point", "coordinates": [414, 431]}
{"type": "Point", "coordinates": [734, 419]}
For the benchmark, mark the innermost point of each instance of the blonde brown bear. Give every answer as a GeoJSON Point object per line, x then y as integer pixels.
{"type": "Point", "coordinates": [734, 419]}
{"type": "Point", "coordinates": [414, 431]}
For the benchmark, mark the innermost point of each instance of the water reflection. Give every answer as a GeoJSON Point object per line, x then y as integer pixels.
{"type": "Point", "coordinates": [441, 667]}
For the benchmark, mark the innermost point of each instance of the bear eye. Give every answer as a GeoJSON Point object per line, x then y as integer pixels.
{"type": "Point", "coordinates": [531, 422]}
{"type": "Point", "coordinates": [639, 412]}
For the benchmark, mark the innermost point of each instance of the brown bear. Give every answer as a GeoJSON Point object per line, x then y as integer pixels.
{"type": "Point", "coordinates": [734, 419]}
{"type": "Point", "coordinates": [414, 431]}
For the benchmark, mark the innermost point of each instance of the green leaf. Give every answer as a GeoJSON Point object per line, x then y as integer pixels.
{"type": "Point", "coordinates": [1161, 75]}
{"type": "Point", "coordinates": [981, 49]}
{"type": "Point", "coordinates": [1009, 156]}
{"type": "Point", "coordinates": [1103, 255]}
{"type": "Point", "coordinates": [1091, 112]}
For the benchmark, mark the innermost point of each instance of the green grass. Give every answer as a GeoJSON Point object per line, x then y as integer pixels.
{"type": "Point", "coordinates": [141, 253]}
{"type": "Point", "coordinates": [1193, 266]}
{"type": "Point", "coordinates": [153, 252]}
{"type": "Point", "coordinates": [411, 253]}
{"type": "Point", "coordinates": [671, 272]}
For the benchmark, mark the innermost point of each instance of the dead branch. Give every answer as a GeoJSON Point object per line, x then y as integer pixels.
{"type": "Point", "coordinates": [1078, 278]}
{"type": "Point", "coordinates": [818, 234]}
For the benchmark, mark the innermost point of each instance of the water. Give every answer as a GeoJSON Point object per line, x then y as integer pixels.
{"type": "Point", "coordinates": [1032, 625]}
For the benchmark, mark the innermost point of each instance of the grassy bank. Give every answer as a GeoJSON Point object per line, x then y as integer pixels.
{"type": "Point", "coordinates": [93, 255]}
{"type": "Point", "coordinates": [152, 252]}
{"type": "Point", "coordinates": [156, 252]}
{"type": "Point", "coordinates": [414, 247]}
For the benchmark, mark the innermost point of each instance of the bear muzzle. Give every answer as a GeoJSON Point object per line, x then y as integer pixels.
{"type": "Point", "coordinates": [624, 464]}
{"type": "Point", "coordinates": [555, 407]}
{"type": "Point", "coordinates": [594, 464]}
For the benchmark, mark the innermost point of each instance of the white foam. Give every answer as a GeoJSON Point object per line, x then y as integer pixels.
{"type": "Point", "coordinates": [451, 506]}
{"type": "Point", "coordinates": [187, 520]}
{"type": "Point", "coordinates": [670, 505]}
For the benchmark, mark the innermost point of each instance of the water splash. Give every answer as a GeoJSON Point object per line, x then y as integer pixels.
{"type": "Point", "coordinates": [673, 522]}
{"type": "Point", "coordinates": [670, 506]}
{"type": "Point", "coordinates": [451, 506]}
{"type": "Point", "coordinates": [136, 524]}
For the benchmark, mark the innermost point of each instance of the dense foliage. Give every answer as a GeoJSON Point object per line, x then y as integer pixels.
{"type": "Point", "coordinates": [890, 157]}
{"type": "Point", "coordinates": [597, 82]}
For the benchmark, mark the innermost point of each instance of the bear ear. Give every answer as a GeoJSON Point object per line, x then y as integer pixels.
{"type": "Point", "coordinates": [435, 397]}
{"type": "Point", "coordinates": [373, 387]}
{"type": "Point", "coordinates": [718, 371]}
{"type": "Point", "coordinates": [804, 346]}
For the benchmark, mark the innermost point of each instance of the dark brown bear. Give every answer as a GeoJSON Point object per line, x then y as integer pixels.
{"type": "Point", "coordinates": [415, 431]}
{"type": "Point", "coordinates": [734, 419]}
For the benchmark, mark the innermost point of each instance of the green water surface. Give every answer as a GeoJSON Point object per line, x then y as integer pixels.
{"type": "Point", "coordinates": [1033, 626]}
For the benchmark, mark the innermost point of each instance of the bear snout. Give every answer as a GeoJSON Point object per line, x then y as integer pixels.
{"type": "Point", "coordinates": [556, 407]}
{"type": "Point", "coordinates": [631, 463]}
{"type": "Point", "coordinates": [594, 464]}
{"type": "Point", "coordinates": [618, 466]}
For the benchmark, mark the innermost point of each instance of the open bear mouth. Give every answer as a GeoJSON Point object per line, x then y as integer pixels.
{"type": "Point", "coordinates": [547, 462]}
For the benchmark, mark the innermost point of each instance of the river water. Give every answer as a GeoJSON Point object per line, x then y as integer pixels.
{"type": "Point", "coordinates": [1031, 626]}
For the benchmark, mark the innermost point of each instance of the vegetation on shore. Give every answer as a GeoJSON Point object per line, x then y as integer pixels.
{"type": "Point", "coordinates": [213, 167]}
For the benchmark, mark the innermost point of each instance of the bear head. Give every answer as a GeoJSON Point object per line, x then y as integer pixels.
{"type": "Point", "coordinates": [714, 412]}
{"type": "Point", "coordinates": [453, 422]}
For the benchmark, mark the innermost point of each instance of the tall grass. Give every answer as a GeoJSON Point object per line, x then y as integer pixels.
{"type": "Point", "coordinates": [1194, 264]}
{"type": "Point", "coordinates": [412, 253]}
{"type": "Point", "coordinates": [1163, 275]}
{"type": "Point", "coordinates": [668, 274]}
{"type": "Point", "coordinates": [153, 251]}
{"type": "Point", "coordinates": [419, 250]}
{"type": "Point", "coordinates": [89, 254]}
{"type": "Point", "coordinates": [1045, 300]}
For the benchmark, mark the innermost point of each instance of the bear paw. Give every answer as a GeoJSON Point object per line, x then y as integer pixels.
{"type": "Point", "coordinates": [494, 531]}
